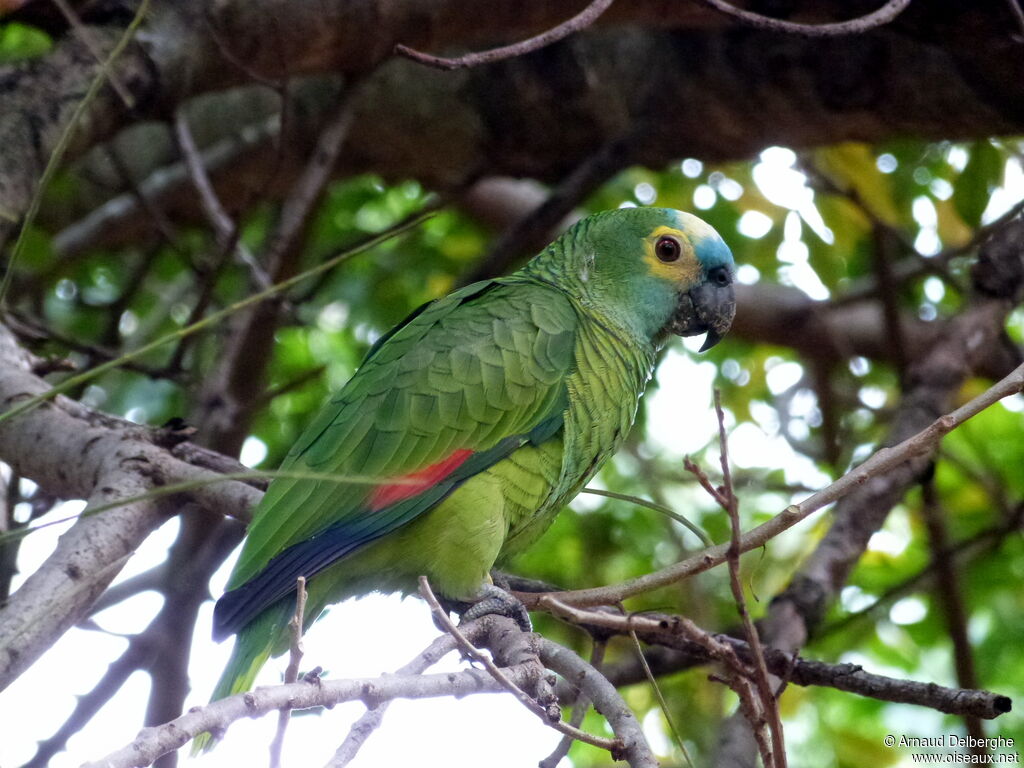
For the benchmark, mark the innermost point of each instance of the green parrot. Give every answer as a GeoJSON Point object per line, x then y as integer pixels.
{"type": "Point", "coordinates": [482, 415]}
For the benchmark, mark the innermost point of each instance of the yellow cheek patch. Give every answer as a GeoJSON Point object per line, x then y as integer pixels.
{"type": "Point", "coordinates": [683, 271]}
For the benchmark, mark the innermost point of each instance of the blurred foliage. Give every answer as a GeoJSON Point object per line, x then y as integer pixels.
{"type": "Point", "coordinates": [819, 238]}
{"type": "Point", "coordinates": [20, 41]}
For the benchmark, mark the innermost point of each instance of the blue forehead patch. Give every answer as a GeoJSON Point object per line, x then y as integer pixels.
{"type": "Point", "coordinates": [708, 245]}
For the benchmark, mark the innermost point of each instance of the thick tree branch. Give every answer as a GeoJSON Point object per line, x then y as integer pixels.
{"type": "Point", "coordinates": [78, 453]}
{"type": "Point", "coordinates": [676, 68]}
{"type": "Point", "coordinates": [607, 700]}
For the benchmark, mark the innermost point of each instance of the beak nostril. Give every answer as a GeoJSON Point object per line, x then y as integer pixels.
{"type": "Point", "coordinates": [720, 276]}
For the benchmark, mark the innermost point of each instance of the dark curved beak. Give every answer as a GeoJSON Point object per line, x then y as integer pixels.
{"type": "Point", "coordinates": [708, 308]}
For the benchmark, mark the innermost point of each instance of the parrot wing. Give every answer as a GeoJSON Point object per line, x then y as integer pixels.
{"type": "Point", "coordinates": [459, 385]}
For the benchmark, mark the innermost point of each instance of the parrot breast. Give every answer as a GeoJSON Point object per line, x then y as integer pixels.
{"type": "Point", "coordinates": [604, 391]}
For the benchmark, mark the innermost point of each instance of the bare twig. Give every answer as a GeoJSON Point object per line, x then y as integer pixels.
{"type": "Point", "coordinates": [680, 633]}
{"type": "Point", "coordinates": [665, 711]}
{"type": "Point", "coordinates": [371, 719]}
{"type": "Point", "coordinates": [705, 482]}
{"type": "Point", "coordinates": [225, 229]}
{"type": "Point", "coordinates": [689, 525]}
{"type": "Point", "coordinates": [882, 461]}
{"type": "Point", "coordinates": [881, 17]}
{"type": "Point", "coordinates": [306, 190]}
{"type": "Point", "coordinates": [441, 617]}
{"type": "Point", "coordinates": [951, 599]}
{"type": "Point", "coordinates": [769, 704]}
{"type": "Point", "coordinates": [87, 38]}
{"type": "Point", "coordinates": [581, 20]}
{"type": "Point", "coordinates": [291, 672]}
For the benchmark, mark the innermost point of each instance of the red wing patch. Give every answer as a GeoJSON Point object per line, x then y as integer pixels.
{"type": "Point", "coordinates": [417, 482]}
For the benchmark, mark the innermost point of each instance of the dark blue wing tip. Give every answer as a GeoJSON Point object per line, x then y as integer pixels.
{"type": "Point", "coordinates": [225, 613]}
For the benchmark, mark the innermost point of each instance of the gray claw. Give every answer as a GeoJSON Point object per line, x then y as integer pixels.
{"type": "Point", "coordinates": [492, 599]}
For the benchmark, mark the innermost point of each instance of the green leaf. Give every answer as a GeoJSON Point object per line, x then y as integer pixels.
{"type": "Point", "coordinates": [974, 185]}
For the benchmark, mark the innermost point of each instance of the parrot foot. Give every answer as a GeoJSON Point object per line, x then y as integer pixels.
{"type": "Point", "coordinates": [492, 599]}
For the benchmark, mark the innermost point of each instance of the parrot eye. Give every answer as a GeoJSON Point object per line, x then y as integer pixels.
{"type": "Point", "coordinates": [667, 249]}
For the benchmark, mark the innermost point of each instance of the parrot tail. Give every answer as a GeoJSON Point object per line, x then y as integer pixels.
{"type": "Point", "coordinates": [261, 638]}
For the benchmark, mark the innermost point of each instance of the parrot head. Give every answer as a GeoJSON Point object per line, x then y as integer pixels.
{"type": "Point", "coordinates": [656, 271]}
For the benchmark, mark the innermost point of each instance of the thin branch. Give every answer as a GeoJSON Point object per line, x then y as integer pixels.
{"type": "Point", "coordinates": [951, 599]}
{"type": "Point", "coordinates": [882, 461]}
{"type": "Point", "coordinates": [92, 46]}
{"type": "Point", "coordinates": [441, 617]}
{"type": "Point", "coordinates": [291, 672]}
{"type": "Point", "coordinates": [581, 20]}
{"type": "Point", "coordinates": [757, 708]}
{"type": "Point", "coordinates": [665, 711]}
{"type": "Point", "coordinates": [689, 525]}
{"type": "Point", "coordinates": [769, 705]}
{"type": "Point", "coordinates": [224, 227]}
{"type": "Point", "coordinates": [678, 632]}
{"type": "Point", "coordinates": [371, 719]}
{"type": "Point", "coordinates": [306, 190]}
{"type": "Point", "coordinates": [862, 24]}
